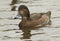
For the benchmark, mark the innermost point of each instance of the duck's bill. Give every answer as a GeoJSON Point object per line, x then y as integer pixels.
{"type": "Point", "coordinates": [17, 16]}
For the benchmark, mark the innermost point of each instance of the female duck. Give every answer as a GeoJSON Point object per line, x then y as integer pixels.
{"type": "Point", "coordinates": [32, 20]}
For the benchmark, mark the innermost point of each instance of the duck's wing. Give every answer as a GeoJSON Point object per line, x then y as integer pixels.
{"type": "Point", "coordinates": [48, 15]}
{"type": "Point", "coordinates": [35, 16]}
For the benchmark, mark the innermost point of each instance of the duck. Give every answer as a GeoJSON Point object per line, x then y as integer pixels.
{"type": "Point", "coordinates": [32, 20]}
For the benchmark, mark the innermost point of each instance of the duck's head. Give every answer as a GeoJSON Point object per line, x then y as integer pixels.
{"type": "Point", "coordinates": [23, 11]}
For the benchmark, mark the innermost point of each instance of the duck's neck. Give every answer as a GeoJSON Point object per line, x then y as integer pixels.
{"type": "Point", "coordinates": [25, 18]}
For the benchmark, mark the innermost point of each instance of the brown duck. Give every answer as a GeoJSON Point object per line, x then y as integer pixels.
{"type": "Point", "coordinates": [32, 20]}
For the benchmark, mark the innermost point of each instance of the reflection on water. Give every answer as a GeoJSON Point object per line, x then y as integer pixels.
{"type": "Point", "coordinates": [26, 33]}
{"type": "Point", "coordinates": [9, 30]}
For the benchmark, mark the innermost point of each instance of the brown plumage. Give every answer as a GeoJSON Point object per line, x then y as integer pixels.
{"type": "Point", "coordinates": [33, 20]}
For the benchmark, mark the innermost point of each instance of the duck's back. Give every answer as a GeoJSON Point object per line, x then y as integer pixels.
{"type": "Point", "coordinates": [35, 16]}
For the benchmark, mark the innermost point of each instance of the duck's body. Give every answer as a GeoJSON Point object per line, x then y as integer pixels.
{"type": "Point", "coordinates": [33, 20]}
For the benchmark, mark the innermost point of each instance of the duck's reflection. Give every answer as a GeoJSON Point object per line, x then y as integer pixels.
{"type": "Point", "coordinates": [26, 33]}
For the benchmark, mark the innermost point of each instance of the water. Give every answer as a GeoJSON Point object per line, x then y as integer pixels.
{"type": "Point", "coordinates": [9, 26]}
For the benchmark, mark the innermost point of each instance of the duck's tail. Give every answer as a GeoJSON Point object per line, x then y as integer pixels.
{"type": "Point", "coordinates": [49, 14]}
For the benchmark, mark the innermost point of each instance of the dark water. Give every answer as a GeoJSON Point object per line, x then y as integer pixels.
{"type": "Point", "coordinates": [9, 26]}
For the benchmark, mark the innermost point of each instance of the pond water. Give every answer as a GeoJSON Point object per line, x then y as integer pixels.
{"type": "Point", "coordinates": [9, 30]}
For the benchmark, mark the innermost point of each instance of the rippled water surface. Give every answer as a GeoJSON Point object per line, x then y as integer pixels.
{"type": "Point", "coordinates": [9, 26]}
